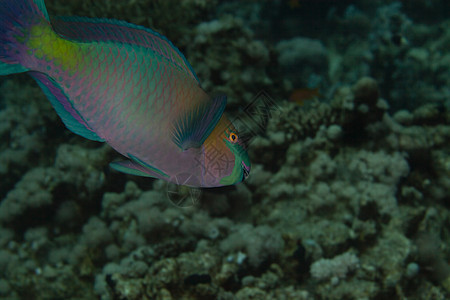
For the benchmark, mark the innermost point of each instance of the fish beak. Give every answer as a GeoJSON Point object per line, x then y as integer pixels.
{"type": "Point", "coordinates": [246, 170]}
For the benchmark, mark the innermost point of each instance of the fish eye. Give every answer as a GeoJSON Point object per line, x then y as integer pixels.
{"type": "Point", "coordinates": [233, 137]}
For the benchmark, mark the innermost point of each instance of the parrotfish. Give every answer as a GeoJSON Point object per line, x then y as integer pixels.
{"type": "Point", "coordinates": [129, 86]}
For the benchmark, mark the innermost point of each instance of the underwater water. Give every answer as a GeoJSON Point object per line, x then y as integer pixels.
{"type": "Point", "coordinates": [345, 107]}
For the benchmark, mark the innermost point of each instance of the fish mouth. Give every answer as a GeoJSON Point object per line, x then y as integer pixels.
{"type": "Point", "coordinates": [245, 170]}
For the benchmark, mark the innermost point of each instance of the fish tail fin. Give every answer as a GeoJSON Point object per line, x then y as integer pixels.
{"type": "Point", "coordinates": [17, 17]}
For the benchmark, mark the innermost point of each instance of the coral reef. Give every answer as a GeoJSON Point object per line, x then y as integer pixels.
{"type": "Point", "coordinates": [348, 197]}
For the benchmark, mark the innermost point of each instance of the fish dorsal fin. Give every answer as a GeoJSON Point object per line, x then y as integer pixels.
{"type": "Point", "coordinates": [70, 117]}
{"type": "Point", "coordinates": [192, 129]}
{"type": "Point", "coordinates": [84, 29]}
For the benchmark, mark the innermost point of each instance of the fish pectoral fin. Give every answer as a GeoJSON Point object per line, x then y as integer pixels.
{"type": "Point", "coordinates": [132, 168]}
{"type": "Point", "coordinates": [192, 129]}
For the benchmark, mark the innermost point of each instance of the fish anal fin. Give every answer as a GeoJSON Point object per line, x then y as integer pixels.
{"type": "Point", "coordinates": [64, 108]}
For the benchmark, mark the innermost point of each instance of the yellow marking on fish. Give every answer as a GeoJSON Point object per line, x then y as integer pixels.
{"type": "Point", "coordinates": [50, 46]}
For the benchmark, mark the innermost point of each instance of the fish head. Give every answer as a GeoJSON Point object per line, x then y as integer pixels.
{"type": "Point", "coordinates": [225, 156]}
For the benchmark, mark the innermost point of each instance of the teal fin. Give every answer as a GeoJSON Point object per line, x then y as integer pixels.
{"type": "Point", "coordinates": [196, 125]}
{"type": "Point", "coordinates": [70, 117]}
{"type": "Point", "coordinates": [148, 168]}
{"type": "Point", "coordinates": [131, 168]}
{"type": "Point", "coordinates": [137, 167]}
